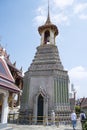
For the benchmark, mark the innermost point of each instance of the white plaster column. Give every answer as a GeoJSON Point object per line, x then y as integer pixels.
{"type": "Point", "coordinates": [4, 115]}
{"type": "Point", "coordinates": [42, 38]}
{"type": "Point", "coordinates": [52, 39]}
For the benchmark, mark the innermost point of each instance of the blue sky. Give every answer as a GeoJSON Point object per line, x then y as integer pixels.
{"type": "Point", "coordinates": [19, 21]}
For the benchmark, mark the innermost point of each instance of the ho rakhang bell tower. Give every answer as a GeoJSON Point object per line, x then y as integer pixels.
{"type": "Point", "coordinates": [46, 81]}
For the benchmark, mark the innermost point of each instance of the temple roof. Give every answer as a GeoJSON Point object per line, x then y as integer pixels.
{"type": "Point", "coordinates": [19, 72]}
{"type": "Point", "coordinates": [4, 54]}
{"type": "Point", "coordinates": [4, 70]}
{"type": "Point", "coordinates": [8, 86]}
{"type": "Point", "coordinates": [6, 80]}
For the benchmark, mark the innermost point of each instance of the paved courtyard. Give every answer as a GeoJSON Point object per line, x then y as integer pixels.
{"type": "Point", "coordinates": [42, 127]}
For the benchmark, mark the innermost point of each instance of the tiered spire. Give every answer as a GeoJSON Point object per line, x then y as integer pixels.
{"type": "Point", "coordinates": [48, 25]}
{"type": "Point", "coordinates": [48, 17]}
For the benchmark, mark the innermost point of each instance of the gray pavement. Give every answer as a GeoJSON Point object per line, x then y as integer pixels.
{"type": "Point", "coordinates": [42, 127]}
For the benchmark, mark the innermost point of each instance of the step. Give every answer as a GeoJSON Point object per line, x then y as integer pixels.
{"type": "Point", "coordinates": [7, 128]}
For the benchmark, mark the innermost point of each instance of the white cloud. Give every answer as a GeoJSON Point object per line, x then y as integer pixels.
{"type": "Point", "coordinates": [40, 10]}
{"type": "Point", "coordinates": [78, 76]}
{"type": "Point", "coordinates": [40, 16]}
{"type": "Point", "coordinates": [39, 20]}
{"type": "Point", "coordinates": [83, 16]}
{"type": "Point", "coordinates": [78, 73]}
{"type": "Point", "coordinates": [63, 3]}
{"type": "Point", "coordinates": [59, 18]}
{"type": "Point", "coordinates": [59, 13]}
{"type": "Point", "coordinates": [79, 8]}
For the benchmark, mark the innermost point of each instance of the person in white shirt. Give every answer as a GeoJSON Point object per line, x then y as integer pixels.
{"type": "Point", "coordinates": [73, 119]}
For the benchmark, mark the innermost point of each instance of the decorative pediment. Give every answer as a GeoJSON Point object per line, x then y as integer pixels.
{"type": "Point", "coordinates": [42, 92]}
{"type": "Point", "coordinates": [4, 70]}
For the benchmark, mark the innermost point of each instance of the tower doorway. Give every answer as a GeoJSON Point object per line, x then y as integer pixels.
{"type": "Point", "coordinates": [40, 108]}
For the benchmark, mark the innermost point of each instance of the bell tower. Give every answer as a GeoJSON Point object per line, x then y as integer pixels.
{"type": "Point", "coordinates": [48, 31]}
{"type": "Point", "coordinates": [46, 82]}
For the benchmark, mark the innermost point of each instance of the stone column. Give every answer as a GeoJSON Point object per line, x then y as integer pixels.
{"type": "Point", "coordinates": [42, 39]}
{"type": "Point", "coordinates": [55, 94]}
{"type": "Point", "coordinates": [45, 111]}
{"type": "Point", "coordinates": [19, 95]}
{"type": "Point", "coordinates": [58, 91]}
{"type": "Point", "coordinates": [4, 115]}
{"type": "Point", "coordinates": [35, 110]}
{"type": "Point", "coordinates": [52, 39]}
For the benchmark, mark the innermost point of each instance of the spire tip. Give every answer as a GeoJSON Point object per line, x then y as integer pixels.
{"type": "Point", "coordinates": [48, 17]}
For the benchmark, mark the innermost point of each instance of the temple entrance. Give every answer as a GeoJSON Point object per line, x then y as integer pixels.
{"type": "Point", "coordinates": [40, 109]}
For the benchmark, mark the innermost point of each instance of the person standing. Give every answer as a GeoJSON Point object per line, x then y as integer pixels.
{"type": "Point", "coordinates": [73, 119]}
{"type": "Point", "coordinates": [82, 118]}
{"type": "Point", "coordinates": [53, 117]}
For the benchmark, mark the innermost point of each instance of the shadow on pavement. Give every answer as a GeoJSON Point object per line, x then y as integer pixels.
{"type": "Point", "coordinates": [71, 129]}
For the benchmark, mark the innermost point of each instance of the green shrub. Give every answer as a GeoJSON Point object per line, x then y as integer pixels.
{"type": "Point", "coordinates": [85, 126]}
{"type": "Point", "coordinates": [77, 109]}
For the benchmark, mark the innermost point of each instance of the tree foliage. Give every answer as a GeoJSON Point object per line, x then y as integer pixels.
{"type": "Point", "coordinates": [77, 109]}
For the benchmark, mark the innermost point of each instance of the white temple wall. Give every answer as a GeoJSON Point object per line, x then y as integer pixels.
{"type": "Point", "coordinates": [45, 83]}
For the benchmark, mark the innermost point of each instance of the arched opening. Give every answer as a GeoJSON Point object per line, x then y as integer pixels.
{"type": "Point", "coordinates": [47, 37]}
{"type": "Point", "coordinates": [40, 109]}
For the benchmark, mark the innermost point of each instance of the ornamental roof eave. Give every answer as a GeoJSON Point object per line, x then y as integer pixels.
{"type": "Point", "coordinates": [9, 86]}
{"type": "Point", "coordinates": [11, 65]}
{"type": "Point", "coordinates": [47, 26]}
{"type": "Point", "coordinates": [14, 68]}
